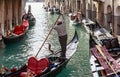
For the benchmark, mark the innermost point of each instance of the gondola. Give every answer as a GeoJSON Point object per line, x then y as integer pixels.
{"type": "Point", "coordinates": [72, 18]}
{"type": "Point", "coordinates": [54, 10]}
{"type": "Point", "coordinates": [31, 19]}
{"type": "Point", "coordinates": [109, 65]}
{"type": "Point", "coordinates": [104, 52]}
{"type": "Point", "coordinates": [53, 65]}
{"type": "Point", "coordinates": [17, 33]}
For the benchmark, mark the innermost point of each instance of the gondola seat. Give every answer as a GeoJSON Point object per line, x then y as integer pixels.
{"type": "Point", "coordinates": [19, 30]}
{"type": "Point", "coordinates": [115, 45]}
{"type": "Point", "coordinates": [25, 23]}
{"type": "Point", "coordinates": [107, 43]}
{"type": "Point", "coordinates": [111, 44]}
{"type": "Point", "coordinates": [36, 67]}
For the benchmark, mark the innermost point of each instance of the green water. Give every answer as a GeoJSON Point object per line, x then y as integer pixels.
{"type": "Point", "coordinates": [17, 54]}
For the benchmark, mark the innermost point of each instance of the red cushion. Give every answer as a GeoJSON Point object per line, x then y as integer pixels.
{"type": "Point", "coordinates": [37, 66]}
{"type": "Point", "coordinates": [19, 30]}
{"type": "Point", "coordinates": [73, 17]}
{"type": "Point", "coordinates": [25, 23]}
{"type": "Point", "coordinates": [23, 74]}
{"type": "Point", "coordinates": [16, 28]}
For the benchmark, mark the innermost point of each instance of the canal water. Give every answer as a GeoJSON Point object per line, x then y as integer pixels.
{"type": "Point", "coordinates": [17, 54]}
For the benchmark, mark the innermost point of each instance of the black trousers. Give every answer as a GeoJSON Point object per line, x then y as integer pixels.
{"type": "Point", "coordinates": [63, 43]}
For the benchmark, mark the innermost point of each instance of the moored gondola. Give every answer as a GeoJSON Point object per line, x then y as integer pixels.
{"type": "Point", "coordinates": [49, 66]}
{"type": "Point", "coordinates": [104, 62]}
{"type": "Point", "coordinates": [30, 17]}
{"type": "Point", "coordinates": [17, 33]}
{"type": "Point", "coordinates": [53, 10]}
{"type": "Point", "coordinates": [104, 52]}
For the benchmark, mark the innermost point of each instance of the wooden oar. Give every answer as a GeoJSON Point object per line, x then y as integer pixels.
{"type": "Point", "coordinates": [99, 49]}
{"type": "Point", "coordinates": [48, 35]}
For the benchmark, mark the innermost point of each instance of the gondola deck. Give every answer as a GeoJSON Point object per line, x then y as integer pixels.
{"type": "Point", "coordinates": [107, 66]}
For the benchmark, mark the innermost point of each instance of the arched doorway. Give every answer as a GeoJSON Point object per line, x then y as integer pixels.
{"type": "Point", "coordinates": [118, 19]}
{"type": "Point", "coordinates": [109, 18]}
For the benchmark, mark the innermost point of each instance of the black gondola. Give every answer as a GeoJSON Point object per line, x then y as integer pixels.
{"type": "Point", "coordinates": [106, 56]}
{"type": "Point", "coordinates": [30, 17]}
{"type": "Point", "coordinates": [17, 33]}
{"type": "Point", "coordinates": [57, 68]}
{"type": "Point", "coordinates": [104, 51]}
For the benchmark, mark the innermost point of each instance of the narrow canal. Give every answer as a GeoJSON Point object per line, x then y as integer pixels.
{"type": "Point", "coordinates": [16, 54]}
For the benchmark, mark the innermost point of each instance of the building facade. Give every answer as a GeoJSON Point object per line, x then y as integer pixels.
{"type": "Point", "coordinates": [105, 12]}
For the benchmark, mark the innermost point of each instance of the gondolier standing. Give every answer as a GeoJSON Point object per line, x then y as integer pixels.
{"type": "Point", "coordinates": [60, 27]}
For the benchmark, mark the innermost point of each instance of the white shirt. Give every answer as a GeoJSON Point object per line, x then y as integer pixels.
{"type": "Point", "coordinates": [61, 29]}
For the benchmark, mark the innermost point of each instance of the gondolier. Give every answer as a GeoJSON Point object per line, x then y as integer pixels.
{"type": "Point", "coordinates": [60, 27]}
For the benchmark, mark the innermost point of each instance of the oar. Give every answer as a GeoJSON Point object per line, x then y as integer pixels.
{"type": "Point", "coordinates": [99, 49]}
{"type": "Point", "coordinates": [48, 35]}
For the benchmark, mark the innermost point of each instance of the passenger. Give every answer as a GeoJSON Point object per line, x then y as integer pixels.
{"type": "Point", "coordinates": [60, 27]}
{"type": "Point", "coordinates": [79, 16]}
